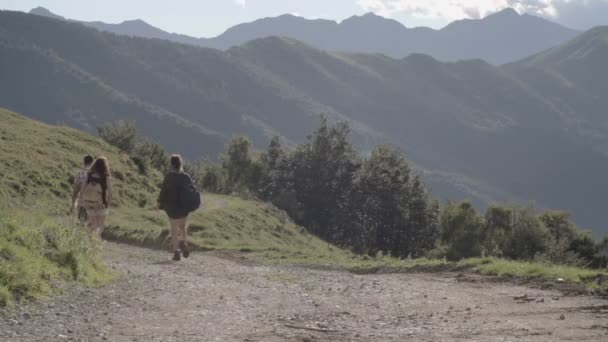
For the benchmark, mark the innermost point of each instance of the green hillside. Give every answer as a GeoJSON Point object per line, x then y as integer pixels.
{"type": "Point", "coordinates": [40, 245]}
{"type": "Point", "coordinates": [478, 131]}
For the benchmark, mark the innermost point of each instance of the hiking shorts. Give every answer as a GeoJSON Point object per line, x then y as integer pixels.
{"type": "Point", "coordinates": [97, 212]}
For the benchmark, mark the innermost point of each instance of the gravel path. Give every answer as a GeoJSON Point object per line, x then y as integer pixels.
{"type": "Point", "coordinates": [208, 298]}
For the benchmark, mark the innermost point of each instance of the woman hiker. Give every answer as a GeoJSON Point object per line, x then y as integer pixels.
{"type": "Point", "coordinates": [96, 194]}
{"type": "Point", "coordinates": [171, 200]}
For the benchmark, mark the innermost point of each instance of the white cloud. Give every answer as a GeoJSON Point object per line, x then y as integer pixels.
{"type": "Point", "coordinates": [241, 3]}
{"type": "Point", "coordinates": [571, 11]}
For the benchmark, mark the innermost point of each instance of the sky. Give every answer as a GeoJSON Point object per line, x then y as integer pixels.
{"type": "Point", "coordinates": [208, 18]}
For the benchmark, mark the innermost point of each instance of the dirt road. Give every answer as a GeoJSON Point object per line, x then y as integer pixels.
{"type": "Point", "coordinates": [208, 298]}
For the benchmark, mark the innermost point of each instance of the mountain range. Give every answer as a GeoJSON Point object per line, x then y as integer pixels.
{"type": "Point", "coordinates": [500, 38]}
{"type": "Point", "coordinates": [534, 130]}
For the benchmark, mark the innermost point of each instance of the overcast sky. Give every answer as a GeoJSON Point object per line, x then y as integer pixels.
{"type": "Point", "coordinates": [206, 18]}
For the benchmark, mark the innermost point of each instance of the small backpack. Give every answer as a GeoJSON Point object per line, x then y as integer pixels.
{"type": "Point", "coordinates": [189, 197]}
{"type": "Point", "coordinates": [92, 193]}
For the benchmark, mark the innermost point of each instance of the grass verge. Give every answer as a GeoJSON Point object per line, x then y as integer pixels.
{"type": "Point", "coordinates": [267, 235]}
{"type": "Point", "coordinates": [39, 254]}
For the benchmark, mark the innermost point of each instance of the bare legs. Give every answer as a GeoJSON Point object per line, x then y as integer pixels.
{"type": "Point", "coordinates": [179, 232]}
{"type": "Point", "coordinates": [96, 225]}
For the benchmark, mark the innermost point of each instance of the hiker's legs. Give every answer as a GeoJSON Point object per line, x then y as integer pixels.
{"type": "Point", "coordinates": [101, 224]}
{"type": "Point", "coordinates": [174, 230]}
{"type": "Point", "coordinates": [183, 246]}
{"type": "Point", "coordinates": [96, 222]}
{"type": "Point", "coordinates": [91, 223]}
{"type": "Point", "coordinates": [183, 229]}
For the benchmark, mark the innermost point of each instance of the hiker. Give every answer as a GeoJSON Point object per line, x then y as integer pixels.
{"type": "Point", "coordinates": [79, 181]}
{"type": "Point", "coordinates": [178, 198]}
{"type": "Point", "coordinates": [96, 195]}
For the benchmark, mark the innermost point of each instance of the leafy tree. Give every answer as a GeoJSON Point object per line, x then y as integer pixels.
{"type": "Point", "coordinates": [461, 231]}
{"type": "Point", "coordinates": [237, 163]}
{"type": "Point", "coordinates": [382, 200]}
{"type": "Point", "coordinates": [559, 224]}
{"type": "Point", "coordinates": [323, 172]}
{"type": "Point", "coordinates": [275, 172]}
{"type": "Point", "coordinates": [214, 179]}
{"type": "Point", "coordinates": [528, 236]}
{"type": "Point", "coordinates": [601, 256]}
{"type": "Point", "coordinates": [154, 153]}
{"type": "Point", "coordinates": [423, 220]}
{"type": "Point", "coordinates": [121, 134]}
{"type": "Point", "coordinates": [497, 229]}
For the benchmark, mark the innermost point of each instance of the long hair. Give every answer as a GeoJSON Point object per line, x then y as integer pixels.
{"type": "Point", "coordinates": [101, 167]}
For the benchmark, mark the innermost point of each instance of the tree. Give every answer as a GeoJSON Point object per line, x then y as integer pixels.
{"type": "Point", "coordinates": [602, 253]}
{"type": "Point", "coordinates": [559, 224]}
{"type": "Point", "coordinates": [121, 134]}
{"type": "Point", "coordinates": [461, 230]}
{"type": "Point", "coordinates": [382, 195]}
{"type": "Point", "coordinates": [274, 173]}
{"type": "Point", "coordinates": [529, 236]}
{"type": "Point", "coordinates": [323, 172]}
{"type": "Point", "coordinates": [214, 179]}
{"type": "Point", "coordinates": [497, 229]}
{"type": "Point", "coordinates": [155, 155]}
{"type": "Point", "coordinates": [237, 163]}
{"type": "Point", "coordinates": [423, 220]}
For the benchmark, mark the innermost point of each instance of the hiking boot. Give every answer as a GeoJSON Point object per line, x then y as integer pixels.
{"type": "Point", "coordinates": [184, 247]}
{"type": "Point", "coordinates": [176, 256]}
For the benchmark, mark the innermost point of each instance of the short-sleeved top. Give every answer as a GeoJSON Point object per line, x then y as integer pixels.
{"type": "Point", "coordinates": [81, 178]}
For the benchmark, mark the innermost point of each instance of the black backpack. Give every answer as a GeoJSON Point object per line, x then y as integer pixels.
{"type": "Point", "coordinates": [190, 198]}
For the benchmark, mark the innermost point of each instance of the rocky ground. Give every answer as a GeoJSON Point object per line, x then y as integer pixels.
{"type": "Point", "coordinates": [213, 298]}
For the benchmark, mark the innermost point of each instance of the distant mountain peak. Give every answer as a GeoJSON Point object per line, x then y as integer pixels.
{"type": "Point", "coordinates": [137, 23]}
{"type": "Point", "coordinates": [42, 11]}
{"type": "Point", "coordinates": [507, 12]}
{"type": "Point", "coordinates": [372, 19]}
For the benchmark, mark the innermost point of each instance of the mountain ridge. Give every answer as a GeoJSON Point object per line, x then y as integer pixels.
{"type": "Point", "coordinates": [477, 131]}
{"type": "Point", "coordinates": [490, 38]}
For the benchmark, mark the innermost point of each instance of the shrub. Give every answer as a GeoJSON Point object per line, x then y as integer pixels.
{"type": "Point", "coordinates": [528, 236]}
{"type": "Point", "coordinates": [461, 231]}
{"type": "Point", "coordinates": [121, 134]}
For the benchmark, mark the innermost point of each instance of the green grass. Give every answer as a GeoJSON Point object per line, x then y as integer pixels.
{"type": "Point", "coordinates": [229, 224]}
{"type": "Point", "coordinates": [38, 254]}
{"type": "Point", "coordinates": [552, 272]}
{"type": "Point", "coordinates": [37, 162]}
{"type": "Point", "coordinates": [40, 249]}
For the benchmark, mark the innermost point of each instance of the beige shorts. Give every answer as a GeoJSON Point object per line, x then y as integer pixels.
{"type": "Point", "coordinates": [97, 212]}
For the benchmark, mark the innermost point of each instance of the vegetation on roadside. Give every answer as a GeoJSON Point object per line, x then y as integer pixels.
{"type": "Point", "coordinates": [37, 254]}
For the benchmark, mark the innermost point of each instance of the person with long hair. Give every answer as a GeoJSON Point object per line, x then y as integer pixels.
{"type": "Point", "coordinates": [96, 195]}
{"type": "Point", "coordinates": [170, 200]}
{"type": "Point", "coordinates": [79, 182]}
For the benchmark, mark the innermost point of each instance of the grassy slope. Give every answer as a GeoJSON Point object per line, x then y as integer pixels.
{"type": "Point", "coordinates": [37, 161]}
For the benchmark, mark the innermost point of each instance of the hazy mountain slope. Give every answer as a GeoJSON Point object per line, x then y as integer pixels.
{"type": "Point", "coordinates": [499, 38]}
{"type": "Point", "coordinates": [574, 77]}
{"type": "Point", "coordinates": [51, 89]}
{"type": "Point", "coordinates": [475, 130]}
{"type": "Point", "coordinates": [469, 118]}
